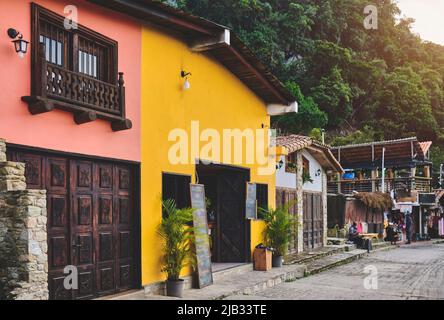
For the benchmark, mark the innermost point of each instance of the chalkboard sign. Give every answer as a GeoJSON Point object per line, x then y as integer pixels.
{"type": "Point", "coordinates": [251, 202]}
{"type": "Point", "coordinates": [204, 271]}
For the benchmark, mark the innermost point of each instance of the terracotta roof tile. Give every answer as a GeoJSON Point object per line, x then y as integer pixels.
{"type": "Point", "coordinates": [294, 142]}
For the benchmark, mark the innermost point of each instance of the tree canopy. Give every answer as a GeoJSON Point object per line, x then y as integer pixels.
{"type": "Point", "coordinates": [356, 83]}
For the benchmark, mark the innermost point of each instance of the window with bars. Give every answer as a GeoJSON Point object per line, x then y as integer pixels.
{"type": "Point", "coordinates": [88, 64]}
{"type": "Point", "coordinates": [54, 50]}
{"type": "Point", "coordinates": [79, 50]}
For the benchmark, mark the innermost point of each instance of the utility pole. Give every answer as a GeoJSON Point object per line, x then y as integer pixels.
{"type": "Point", "coordinates": [323, 135]}
{"type": "Point", "coordinates": [440, 175]}
{"type": "Point", "coordinates": [383, 170]}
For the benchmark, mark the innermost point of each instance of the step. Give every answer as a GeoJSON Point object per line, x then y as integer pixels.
{"type": "Point", "coordinates": [233, 271]}
{"type": "Point", "coordinates": [333, 261]}
{"type": "Point", "coordinates": [381, 245]}
{"type": "Point", "coordinates": [246, 283]}
{"type": "Point", "coordinates": [306, 257]}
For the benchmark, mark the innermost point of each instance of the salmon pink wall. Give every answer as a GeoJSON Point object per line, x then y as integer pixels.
{"type": "Point", "coordinates": [56, 130]}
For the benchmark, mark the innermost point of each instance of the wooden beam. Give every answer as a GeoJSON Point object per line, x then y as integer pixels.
{"type": "Point", "coordinates": [38, 105]}
{"type": "Point", "coordinates": [260, 77]}
{"type": "Point", "coordinates": [121, 125]}
{"type": "Point", "coordinates": [85, 117]}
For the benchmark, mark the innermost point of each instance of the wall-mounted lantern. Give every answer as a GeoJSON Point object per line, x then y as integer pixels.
{"type": "Point", "coordinates": [187, 84]}
{"type": "Point", "coordinates": [280, 164]}
{"type": "Point", "coordinates": [20, 45]}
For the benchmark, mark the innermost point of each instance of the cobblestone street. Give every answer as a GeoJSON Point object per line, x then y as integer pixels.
{"type": "Point", "coordinates": [415, 272]}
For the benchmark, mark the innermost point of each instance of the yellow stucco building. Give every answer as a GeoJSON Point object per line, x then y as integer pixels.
{"type": "Point", "coordinates": [198, 80]}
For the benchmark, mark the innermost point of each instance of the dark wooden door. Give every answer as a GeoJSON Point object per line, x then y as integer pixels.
{"type": "Point", "coordinates": [91, 222]}
{"type": "Point", "coordinates": [82, 226]}
{"type": "Point", "coordinates": [313, 222]}
{"type": "Point", "coordinates": [232, 235]}
{"type": "Point", "coordinates": [285, 197]}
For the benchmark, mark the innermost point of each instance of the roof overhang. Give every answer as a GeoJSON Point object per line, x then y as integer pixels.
{"type": "Point", "coordinates": [219, 42]}
{"type": "Point", "coordinates": [400, 153]}
{"type": "Point", "coordinates": [280, 109]}
{"type": "Point", "coordinates": [325, 158]}
{"type": "Point", "coordinates": [319, 151]}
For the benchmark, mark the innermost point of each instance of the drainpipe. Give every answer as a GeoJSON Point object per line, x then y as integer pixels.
{"type": "Point", "coordinates": [383, 171]}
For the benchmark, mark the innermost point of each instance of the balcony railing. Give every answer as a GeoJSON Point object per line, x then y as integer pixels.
{"type": "Point", "coordinates": [88, 98]}
{"type": "Point", "coordinates": [419, 184]}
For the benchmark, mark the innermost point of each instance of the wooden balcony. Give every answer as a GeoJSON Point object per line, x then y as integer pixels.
{"type": "Point", "coordinates": [420, 184]}
{"type": "Point", "coordinates": [86, 97]}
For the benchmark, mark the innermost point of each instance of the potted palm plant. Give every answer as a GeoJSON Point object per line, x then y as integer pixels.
{"type": "Point", "coordinates": [177, 239]}
{"type": "Point", "coordinates": [277, 232]}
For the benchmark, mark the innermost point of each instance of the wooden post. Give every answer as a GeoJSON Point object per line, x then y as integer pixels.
{"type": "Point", "coordinates": [427, 171]}
{"type": "Point", "coordinates": [412, 181]}
{"type": "Point", "coordinates": [339, 182]}
{"type": "Point", "coordinates": [121, 95]}
{"type": "Point", "coordinates": [374, 180]}
{"type": "Point", "coordinates": [300, 202]}
{"type": "Point", "coordinates": [39, 73]}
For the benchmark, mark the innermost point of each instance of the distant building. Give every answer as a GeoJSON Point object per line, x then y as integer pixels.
{"type": "Point", "coordinates": [407, 179]}
{"type": "Point", "coordinates": [302, 178]}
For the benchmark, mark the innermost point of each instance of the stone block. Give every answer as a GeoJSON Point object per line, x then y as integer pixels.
{"type": "Point", "coordinates": [24, 269]}
{"type": "Point", "coordinates": [2, 150]}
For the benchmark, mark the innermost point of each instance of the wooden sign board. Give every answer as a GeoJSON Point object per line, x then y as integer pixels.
{"type": "Point", "coordinates": [251, 202]}
{"type": "Point", "coordinates": [204, 271]}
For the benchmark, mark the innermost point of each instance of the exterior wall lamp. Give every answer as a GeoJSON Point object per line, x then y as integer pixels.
{"type": "Point", "coordinates": [20, 45]}
{"type": "Point", "coordinates": [280, 164]}
{"type": "Point", "coordinates": [187, 84]}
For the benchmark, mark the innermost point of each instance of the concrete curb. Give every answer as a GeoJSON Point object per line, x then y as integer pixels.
{"type": "Point", "coordinates": [319, 255]}
{"type": "Point", "coordinates": [263, 285]}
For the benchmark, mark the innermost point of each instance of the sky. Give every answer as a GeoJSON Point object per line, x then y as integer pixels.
{"type": "Point", "coordinates": [429, 16]}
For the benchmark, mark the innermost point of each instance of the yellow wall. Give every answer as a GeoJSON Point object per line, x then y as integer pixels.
{"type": "Point", "coordinates": [217, 99]}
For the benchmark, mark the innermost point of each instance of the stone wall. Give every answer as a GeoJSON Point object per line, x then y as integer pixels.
{"type": "Point", "coordinates": [23, 237]}
{"type": "Point", "coordinates": [12, 176]}
{"type": "Point", "coordinates": [2, 150]}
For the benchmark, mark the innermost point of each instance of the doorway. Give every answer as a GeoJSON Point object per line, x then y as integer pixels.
{"type": "Point", "coordinates": [313, 221]}
{"type": "Point", "coordinates": [93, 220]}
{"type": "Point", "coordinates": [225, 189]}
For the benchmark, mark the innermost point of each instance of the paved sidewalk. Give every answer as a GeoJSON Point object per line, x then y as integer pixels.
{"type": "Point", "coordinates": [251, 283]}
{"type": "Point", "coordinates": [410, 272]}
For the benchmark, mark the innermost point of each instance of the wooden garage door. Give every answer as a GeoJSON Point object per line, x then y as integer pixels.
{"type": "Point", "coordinates": [91, 222]}
{"type": "Point", "coordinates": [313, 221]}
{"type": "Point", "coordinates": [284, 197]}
